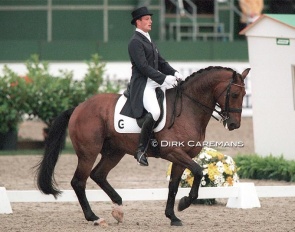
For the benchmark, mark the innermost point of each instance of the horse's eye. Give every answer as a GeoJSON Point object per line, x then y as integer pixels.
{"type": "Point", "coordinates": [235, 95]}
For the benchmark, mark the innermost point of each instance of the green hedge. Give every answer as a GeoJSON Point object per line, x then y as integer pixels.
{"type": "Point", "coordinates": [269, 167]}
{"type": "Point", "coordinates": [39, 94]}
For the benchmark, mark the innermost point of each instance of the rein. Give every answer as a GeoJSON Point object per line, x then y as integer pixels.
{"type": "Point", "coordinates": [178, 95]}
{"type": "Point", "coordinates": [224, 114]}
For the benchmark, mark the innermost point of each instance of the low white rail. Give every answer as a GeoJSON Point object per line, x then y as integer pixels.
{"type": "Point", "coordinates": [243, 195]}
{"type": "Point", "coordinates": [126, 194]}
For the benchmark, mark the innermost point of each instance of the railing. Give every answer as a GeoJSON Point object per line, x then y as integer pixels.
{"type": "Point", "coordinates": [184, 21]}
{"type": "Point", "coordinates": [185, 24]}
{"type": "Point", "coordinates": [243, 195]}
{"type": "Point", "coordinates": [195, 29]}
{"type": "Point", "coordinates": [49, 6]}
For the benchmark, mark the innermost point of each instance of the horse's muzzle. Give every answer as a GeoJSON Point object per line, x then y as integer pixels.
{"type": "Point", "coordinates": [230, 125]}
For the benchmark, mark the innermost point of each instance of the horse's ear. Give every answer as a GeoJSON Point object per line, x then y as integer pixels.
{"type": "Point", "coordinates": [245, 73]}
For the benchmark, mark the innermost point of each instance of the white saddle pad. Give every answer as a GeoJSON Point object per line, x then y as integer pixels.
{"type": "Point", "coordinates": [124, 124]}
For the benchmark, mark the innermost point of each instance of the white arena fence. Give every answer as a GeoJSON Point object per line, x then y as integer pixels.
{"type": "Point", "coordinates": [242, 195]}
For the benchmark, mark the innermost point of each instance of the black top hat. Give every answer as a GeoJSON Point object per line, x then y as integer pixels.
{"type": "Point", "coordinates": [138, 13]}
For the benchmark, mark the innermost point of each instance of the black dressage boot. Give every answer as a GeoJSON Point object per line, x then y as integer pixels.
{"type": "Point", "coordinates": [154, 146]}
{"type": "Point", "coordinates": [146, 131]}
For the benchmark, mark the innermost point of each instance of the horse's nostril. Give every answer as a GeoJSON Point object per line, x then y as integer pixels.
{"type": "Point", "coordinates": [233, 126]}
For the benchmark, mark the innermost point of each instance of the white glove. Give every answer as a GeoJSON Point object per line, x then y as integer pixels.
{"type": "Point", "coordinates": [179, 76]}
{"type": "Point", "coordinates": [170, 80]}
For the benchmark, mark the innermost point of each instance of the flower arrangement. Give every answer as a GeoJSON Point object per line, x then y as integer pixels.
{"type": "Point", "coordinates": [219, 170]}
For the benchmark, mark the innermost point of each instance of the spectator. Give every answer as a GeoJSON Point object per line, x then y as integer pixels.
{"type": "Point", "coordinates": [251, 10]}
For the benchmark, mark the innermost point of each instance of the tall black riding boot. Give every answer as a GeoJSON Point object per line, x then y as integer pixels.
{"type": "Point", "coordinates": [146, 131]}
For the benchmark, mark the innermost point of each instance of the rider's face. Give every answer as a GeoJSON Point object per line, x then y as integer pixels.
{"type": "Point", "coordinates": [144, 23]}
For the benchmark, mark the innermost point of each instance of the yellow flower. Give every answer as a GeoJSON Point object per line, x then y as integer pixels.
{"type": "Point", "coordinates": [215, 153]}
{"type": "Point", "coordinates": [219, 169]}
{"type": "Point", "coordinates": [230, 181]}
{"type": "Point", "coordinates": [211, 152]}
{"type": "Point", "coordinates": [190, 180]}
{"type": "Point", "coordinates": [227, 170]}
{"type": "Point", "coordinates": [220, 156]}
{"type": "Point", "coordinates": [168, 173]}
{"type": "Point", "coordinates": [212, 171]}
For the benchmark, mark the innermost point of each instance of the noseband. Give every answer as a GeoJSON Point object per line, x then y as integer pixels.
{"type": "Point", "coordinates": [223, 113]}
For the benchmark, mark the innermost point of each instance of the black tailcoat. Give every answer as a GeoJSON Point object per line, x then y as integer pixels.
{"type": "Point", "coordinates": [146, 62]}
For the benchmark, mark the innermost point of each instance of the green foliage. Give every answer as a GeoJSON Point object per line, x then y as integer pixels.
{"type": "Point", "coordinates": [269, 167]}
{"type": "Point", "coordinates": [91, 84]}
{"type": "Point", "coordinates": [41, 95]}
{"type": "Point", "coordinates": [13, 99]}
{"type": "Point", "coordinates": [48, 95]}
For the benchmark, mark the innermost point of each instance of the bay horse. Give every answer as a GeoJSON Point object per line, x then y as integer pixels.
{"type": "Point", "coordinates": [190, 105]}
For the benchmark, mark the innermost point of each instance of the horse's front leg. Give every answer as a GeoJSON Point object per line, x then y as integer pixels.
{"type": "Point", "coordinates": [186, 201]}
{"type": "Point", "coordinates": [176, 173]}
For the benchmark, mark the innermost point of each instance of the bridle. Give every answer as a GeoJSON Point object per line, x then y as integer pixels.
{"type": "Point", "coordinates": [223, 113]}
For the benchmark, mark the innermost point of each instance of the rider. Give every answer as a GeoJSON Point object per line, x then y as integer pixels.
{"type": "Point", "coordinates": [149, 71]}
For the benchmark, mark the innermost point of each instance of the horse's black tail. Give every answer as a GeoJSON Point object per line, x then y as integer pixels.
{"type": "Point", "coordinates": [54, 144]}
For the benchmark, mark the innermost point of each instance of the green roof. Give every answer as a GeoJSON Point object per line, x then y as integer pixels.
{"type": "Point", "coordinates": [288, 19]}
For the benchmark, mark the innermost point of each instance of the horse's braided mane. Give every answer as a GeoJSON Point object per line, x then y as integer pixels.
{"type": "Point", "coordinates": [209, 69]}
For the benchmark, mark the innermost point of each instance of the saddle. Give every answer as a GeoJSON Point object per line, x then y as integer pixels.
{"type": "Point", "coordinates": [126, 123]}
{"type": "Point", "coordinates": [160, 97]}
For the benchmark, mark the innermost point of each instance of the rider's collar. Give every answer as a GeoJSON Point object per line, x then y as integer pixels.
{"type": "Point", "coordinates": [146, 34]}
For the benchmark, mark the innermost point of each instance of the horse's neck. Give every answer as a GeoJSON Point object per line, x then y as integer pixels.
{"type": "Point", "coordinates": [201, 93]}
{"type": "Point", "coordinates": [192, 112]}
{"type": "Point", "coordinates": [198, 115]}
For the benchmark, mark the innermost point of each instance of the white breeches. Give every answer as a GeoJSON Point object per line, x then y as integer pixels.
{"type": "Point", "coordinates": [150, 101]}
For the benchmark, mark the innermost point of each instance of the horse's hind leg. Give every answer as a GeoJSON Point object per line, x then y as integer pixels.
{"type": "Point", "coordinates": [85, 164]}
{"type": "Point", "coordinates": [99, 175]}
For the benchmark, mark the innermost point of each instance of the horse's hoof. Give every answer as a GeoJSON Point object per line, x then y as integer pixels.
{"type": "Point", "coordinates": [176, 223]}
{"type": "Point", "coordinates": [118, 213]}
{"type": "Point", "coordinates": [184, 203]}
{"type": "Point", "coordinates": [100, 222]}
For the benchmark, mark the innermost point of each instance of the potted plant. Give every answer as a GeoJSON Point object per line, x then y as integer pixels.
{"type": "Point", "coordinates": [219, 170]}
{"type": "Point", "coordinates": [13, 103]}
